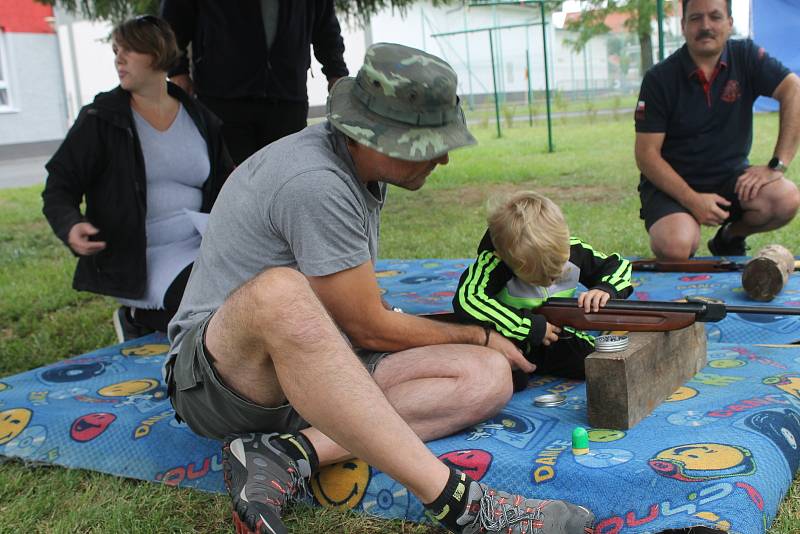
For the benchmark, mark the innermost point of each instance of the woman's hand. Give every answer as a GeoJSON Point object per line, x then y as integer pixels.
{"type": "Point", "coordinates": [79, 239]}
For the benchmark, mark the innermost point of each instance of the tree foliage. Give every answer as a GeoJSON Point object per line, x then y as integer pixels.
{"type": "Point", "coordinates": [641, 14]}
{"type": "Point", "coordinates": [357, 11]}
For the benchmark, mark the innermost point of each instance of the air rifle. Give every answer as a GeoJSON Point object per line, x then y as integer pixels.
{"type": "Point", "coordinates": [648, 316]}
{"type": "Point", "coordinates": [691, 266]}
{"type": "Point", "coordinates": [641, 316]}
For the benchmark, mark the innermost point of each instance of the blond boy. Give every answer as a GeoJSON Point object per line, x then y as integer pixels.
{"type": "Point", "coordinates": [525, 257]}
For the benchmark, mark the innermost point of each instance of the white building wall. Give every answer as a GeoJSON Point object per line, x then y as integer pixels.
{"type": "Point", "coordinates": [38, 108]}
{"type": "Point", "coordinates": [469, 54]}
{"type": "Point", "coordinates": [88, 61]}
{"type": "Point", "coordinates": [354, 48]}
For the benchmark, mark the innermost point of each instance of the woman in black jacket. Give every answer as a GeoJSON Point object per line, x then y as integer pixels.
{"type": "Point", "coordinates": [149, 161]}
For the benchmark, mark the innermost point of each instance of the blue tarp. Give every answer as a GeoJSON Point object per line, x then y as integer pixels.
{"type": "Point", "coordinates": [721, 452]}
{"type": "Point", "coordinates": [775, 26]}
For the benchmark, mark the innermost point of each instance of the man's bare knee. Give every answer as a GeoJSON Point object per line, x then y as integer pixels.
{"type": "Point", "coordinates": [276, 285]}
{"type": "Point", "coordinates": [277, 305]}
{"type": "Point", "coordinates": [679, 247]}
{"type": "Point", "coordinates": [675, 236]}
{"type": "Point", "coordinates": [785, 207]}
{"type": "Point", "coordinates": [284, 300]}
{"type": "Point", "coordinates": [488, 385]}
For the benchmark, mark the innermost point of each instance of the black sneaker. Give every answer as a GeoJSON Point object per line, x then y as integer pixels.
{"type": "Point", "coordinates": [261, 481]}
{"type": "Point", "coordinates": [125, 327]}
{"type": "Point", "coordinates": [735, 246]}
{"type": "Point", "coordinates": [515, 514]}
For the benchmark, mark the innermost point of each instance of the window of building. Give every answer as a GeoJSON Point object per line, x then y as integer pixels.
{"type": "Point", "coordinates": [5, 97]}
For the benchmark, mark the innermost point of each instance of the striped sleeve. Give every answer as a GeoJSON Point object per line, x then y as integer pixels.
{"type": "Point", "coordinates": [601, 271]}
{"type": "Point", "coordinates": [474, 299]}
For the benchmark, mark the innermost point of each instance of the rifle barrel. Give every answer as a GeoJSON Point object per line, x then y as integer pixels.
{"type": "Point", "coordinates": [769, 310]}
{"type": "Point", "coordinates": [697, 306]}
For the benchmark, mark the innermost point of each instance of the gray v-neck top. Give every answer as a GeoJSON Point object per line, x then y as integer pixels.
{"type": "Point", "coordinates": [176, 166]}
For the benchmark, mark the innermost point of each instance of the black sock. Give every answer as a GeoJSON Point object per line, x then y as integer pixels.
{"type": "Point", "coordinates": [297, 447]}
{"type": "Point", "coordinates": [458, 503]}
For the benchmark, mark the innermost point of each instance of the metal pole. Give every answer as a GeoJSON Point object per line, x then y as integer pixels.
{"type": "Point", "coordinates": [530, 94]}
{"type": "Point", "coordinates": [546, 82]}
{"type": "Point", "coordinates": [422, 20]}
{"type": "Point", "coordinates": [528, 75]}
{"type": "Point", "coordinates": [586, 72]}
{"type": "Point", "coordinates": [501, 77]}
{"type": "Point", "coordinates": [494, 85]}
{"type": "Point", "coordinates": [660, 12]}
{"type": "Point", "coordinates": [471, 99]}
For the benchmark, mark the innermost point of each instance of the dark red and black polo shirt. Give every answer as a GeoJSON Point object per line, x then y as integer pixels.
{"type": "Point", "coordinates": [708, 122]}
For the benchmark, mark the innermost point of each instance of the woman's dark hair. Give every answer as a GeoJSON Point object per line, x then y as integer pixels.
{"type": "Point", "coordinates": [150, 35]}
{"type": "Point", "coordinates": [728, 2]}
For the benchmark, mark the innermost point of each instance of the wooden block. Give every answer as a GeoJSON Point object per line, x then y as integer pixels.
{"type": "Point", "coordinates": [766, 274]}
{"type": "Point", "coordinates": [624, 387]}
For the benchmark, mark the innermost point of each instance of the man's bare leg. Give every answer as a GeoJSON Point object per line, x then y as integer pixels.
{"type": "Point", "coordinates": [272, 340]}
{"type": "Point", "coordinates": [774, 207]}
{"type": "Point", "coordinates": [437, 390]}
{"type": "Point", "coordinates": [675, 237]}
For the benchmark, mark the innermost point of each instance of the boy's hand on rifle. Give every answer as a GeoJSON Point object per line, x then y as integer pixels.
{"type": "Point", "coordinates": [593, 300]}
{"type": "Point", "coordinates": [551, 334]}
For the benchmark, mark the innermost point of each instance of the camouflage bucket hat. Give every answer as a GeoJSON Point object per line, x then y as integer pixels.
{"type": "Point", "coordinates": [402, 103]}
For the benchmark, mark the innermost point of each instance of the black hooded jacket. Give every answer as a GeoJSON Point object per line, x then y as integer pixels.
{"type": "Point", "coordinates": [230, 58]}
{"type": "Point", "coordinates": [101, 161]}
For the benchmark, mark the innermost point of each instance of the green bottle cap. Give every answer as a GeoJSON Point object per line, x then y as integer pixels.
{"type": "Point", "coordinates": [580, 440]}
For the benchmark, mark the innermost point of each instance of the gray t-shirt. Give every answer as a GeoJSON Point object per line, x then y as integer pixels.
{"type": "Point", "coordinates": [294, 203]}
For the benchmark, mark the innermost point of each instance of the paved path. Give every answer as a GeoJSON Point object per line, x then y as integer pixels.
{"type": "Point", "coordinates": [23, 165]}
{"type": "Point", "coordinates": [22, 172]}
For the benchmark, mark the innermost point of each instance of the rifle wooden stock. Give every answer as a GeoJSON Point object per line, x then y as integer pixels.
{"type": "Point", "coordinates": [691, 266]}
{"type": "Point", "coordinates": [630, 320]}
{"type": "Point", "coordinates": [639, 316]}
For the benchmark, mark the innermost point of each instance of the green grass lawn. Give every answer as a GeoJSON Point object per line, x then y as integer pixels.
{"type": "Point", "coordinates": [592, 175]}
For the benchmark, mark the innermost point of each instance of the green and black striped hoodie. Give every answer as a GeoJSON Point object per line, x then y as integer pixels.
{"type": "Point", "coordinates": [489, 294]}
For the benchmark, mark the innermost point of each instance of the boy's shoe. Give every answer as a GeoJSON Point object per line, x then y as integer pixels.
{"type": "Point", "coordinates": [515, 514]}
{"type": "Point", "coordinates": [261, 481]}
{"type": "Point", "coordinates": [125, 327]}
{"type": "Point", "coordinates": [719, 246]}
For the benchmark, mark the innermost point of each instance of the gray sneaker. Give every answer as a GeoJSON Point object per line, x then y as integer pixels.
{"type": "Point", "coordinates": [261, 481]}
{"type": "Point", "coordinates": [514, 514]}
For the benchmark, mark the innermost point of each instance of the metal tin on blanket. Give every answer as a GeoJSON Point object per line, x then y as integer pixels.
{"type": "Point", "coordinates": [549, 400]}
{"type": "Point", "coordinates": [611, 343]}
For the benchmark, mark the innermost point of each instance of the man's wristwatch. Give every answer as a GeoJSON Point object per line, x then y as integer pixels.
{"type": "Point", "coordinates": [777, 165]}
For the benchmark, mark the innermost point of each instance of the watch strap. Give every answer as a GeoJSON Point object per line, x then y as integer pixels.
{"type": "Point", "coordinates": [777, 165]}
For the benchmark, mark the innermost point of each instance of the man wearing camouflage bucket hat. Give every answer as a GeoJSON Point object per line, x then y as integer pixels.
{"type": "Point", "coordinates": [287, 266]}
{"type": "Point", "coordinates": [402, 103]}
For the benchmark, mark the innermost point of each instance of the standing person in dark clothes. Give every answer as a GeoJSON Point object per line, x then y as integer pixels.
{"type": "Point", "coordinates": [145, 208]}
{"type": "Point", "coordinates": [250, 60]}
{"type": "Point", "coordinates": [694, 130]}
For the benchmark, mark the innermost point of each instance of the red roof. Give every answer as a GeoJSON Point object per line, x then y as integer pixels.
{"type": "Point", "coordinates": [615, 21]}
{"type": "Point", "coordinates": [25, 16]}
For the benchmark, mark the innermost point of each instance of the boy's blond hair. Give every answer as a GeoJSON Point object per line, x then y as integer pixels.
{"type": "Point", "coordinates": [530, 235]}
